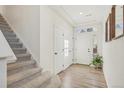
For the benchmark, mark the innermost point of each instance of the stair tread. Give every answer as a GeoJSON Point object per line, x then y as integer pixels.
{"type": "Point", "coordinates": [10, 34]}
{"type": "Point", "coordinates": [16, 44]}
{"type": "Point", "coordinates": [12, 39]}
{"type": "Point", "coordinates": [25, 54]}
{"type": "Point", "coordinates": [3, 22]}
{"type": "Point", "coordinates": [4, 25]}
{"type": "Point", "coordinates": [22, 48]}
{"type": "Point", "coordinates": [38, 81]}
{"type": "Point", "coordinates": [6, 29]}
{"type": "Point", "coordinates": [15, 65]}
{"type": "Point", "coordinates": [22, 75]}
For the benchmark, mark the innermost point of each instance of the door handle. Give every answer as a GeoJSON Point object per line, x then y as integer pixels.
{"type": "Point", "coordinates": [55, 53]}
{"type": "Point", "coordinates": [89, 50]}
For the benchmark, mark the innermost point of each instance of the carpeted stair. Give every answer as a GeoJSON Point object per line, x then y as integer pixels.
{"type": "Point", "coordinates": [24, 73]}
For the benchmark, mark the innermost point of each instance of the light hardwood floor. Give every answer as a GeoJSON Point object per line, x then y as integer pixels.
{"type": "Point", "coordinates": [82, 76]}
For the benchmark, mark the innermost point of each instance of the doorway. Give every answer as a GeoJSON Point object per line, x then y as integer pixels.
{"type": "Point", "coordinates": [63, 48]}
{"type": "Point", "coordinates": [86, 46]}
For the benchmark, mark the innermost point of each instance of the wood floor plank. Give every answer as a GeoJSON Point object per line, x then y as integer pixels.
{"type": "Point", "coordinates": [82, 76]}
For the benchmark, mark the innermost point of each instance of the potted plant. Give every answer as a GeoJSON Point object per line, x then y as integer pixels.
{"type": "Point", "coordinates": [97, 62]}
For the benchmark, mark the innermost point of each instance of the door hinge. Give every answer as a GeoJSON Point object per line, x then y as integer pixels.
{"type": "Point", "coordinates": [72, 60]}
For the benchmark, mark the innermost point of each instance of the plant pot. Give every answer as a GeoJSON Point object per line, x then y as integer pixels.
{"type": "Point", "coordinates": [98, 66]}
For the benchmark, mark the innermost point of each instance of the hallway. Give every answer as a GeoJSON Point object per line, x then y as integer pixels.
{"type": "Point", "coordinates": [82, 76]}
{"type": "Point", "coordinates": [42, 43]}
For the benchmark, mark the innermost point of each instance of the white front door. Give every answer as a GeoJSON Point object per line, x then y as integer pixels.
{"type": "Point", "coordinates": [84, 48]}
{"type": "Point", "coordinates": [58, 49]}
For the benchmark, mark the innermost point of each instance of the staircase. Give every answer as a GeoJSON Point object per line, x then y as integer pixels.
{"type": "Point", "coordinates": [24, 73]}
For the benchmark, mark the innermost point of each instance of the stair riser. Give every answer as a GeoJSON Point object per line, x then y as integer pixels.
{"type": "Point", "coordinates": [5, 28]}
{"type": "Point", "coordinates": [16, 45]}
{"type": "Point", "coordinates": [1, 17]}
{"type": "Point", "coordinates": [19, 51]}
{"type": "Point", "coordinates": [10, 35]}
{"type": "Point", "coordinates": [2, 20]}
{"type": "Point", "coordinates": [13, 40]}
{"type": "Point", "coordinates": [24, 58]}
{"type": "Point", "coordinates": [16, 70]}
{"type": "Point", "coordinates": [4, 25]}
{"type": "Point", "coordinates": [7, 32]}
{"type": "Point", "coordinates": [23, 81]}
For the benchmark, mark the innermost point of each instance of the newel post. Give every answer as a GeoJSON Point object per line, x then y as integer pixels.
{"type": "Point", "coordinates": [3, 72]}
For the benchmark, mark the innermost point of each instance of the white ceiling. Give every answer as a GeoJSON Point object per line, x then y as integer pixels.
{"type": "Point", "coordinates": [90, 13]}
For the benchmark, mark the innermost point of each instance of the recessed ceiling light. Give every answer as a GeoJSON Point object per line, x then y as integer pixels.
{"type": "Point", "coordinates": [81, 13]}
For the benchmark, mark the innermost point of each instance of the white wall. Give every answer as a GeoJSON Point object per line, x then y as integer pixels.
{"type": "Point", "coordinates": [25, 20]}
{"type": "Point", "coordinates": [1, 9]}
{"type": "Point", "coordinates": [113, 55]}
{"type": "Point", "coordinates": [46, 38]}
{"type": "Point", "coordinates": [6, 50]}
{"type": "Point", "coordinates": [49, 18]}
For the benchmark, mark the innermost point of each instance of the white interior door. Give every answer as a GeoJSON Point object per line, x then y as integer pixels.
{"type": "Point", "coordinates": [84, 48]}
{"type": "Point", "coordinates": [58, 49]}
